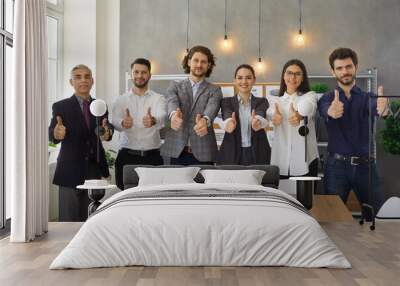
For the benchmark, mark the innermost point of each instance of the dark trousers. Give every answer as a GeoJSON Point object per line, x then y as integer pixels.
{"type": "Point", "coordinates": [186, 159]}
{"type": "Point", "coordinates": [246, 156]}
{"type": "Point", "coordinates": [340, 177]}
{"type": "Point", "coordinates": [130, 157]}
{"type": "Point", "coordinates": [73, 203]}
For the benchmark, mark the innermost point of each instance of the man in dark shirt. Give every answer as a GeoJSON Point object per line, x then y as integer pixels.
{"type": "Point", "coordinates": [346, 112]}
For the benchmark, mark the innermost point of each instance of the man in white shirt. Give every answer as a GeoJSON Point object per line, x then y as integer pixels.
{"type": "Point", "coordinates": [139, 115]}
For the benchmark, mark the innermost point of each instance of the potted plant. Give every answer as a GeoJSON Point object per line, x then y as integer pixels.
{"type": "Point", "coordinates": [388, 160]}
{"type": "Point", "coordinates": [110, 158]}
{"type": "Point", "coordinates": [390, 135]}
{"type": "Point", "coordinates": [319, 88]}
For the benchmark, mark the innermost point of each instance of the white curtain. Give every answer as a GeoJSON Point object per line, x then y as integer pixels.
{"type": "Point", "coordinates": [26, 121]}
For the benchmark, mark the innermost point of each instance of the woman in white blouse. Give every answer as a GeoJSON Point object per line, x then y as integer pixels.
{"type": "Point", "coordinates": [295, 105]}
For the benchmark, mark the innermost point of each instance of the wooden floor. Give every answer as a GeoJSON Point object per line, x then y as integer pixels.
{"type": "Point", "coordinates": [375, 257]}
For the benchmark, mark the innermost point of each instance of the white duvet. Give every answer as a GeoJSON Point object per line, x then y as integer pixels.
{"type": "Point", "coordinates": [200, 231]}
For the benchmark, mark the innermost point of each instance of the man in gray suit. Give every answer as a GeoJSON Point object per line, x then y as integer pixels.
{"type": "Point", "coordinates": [192, 105]}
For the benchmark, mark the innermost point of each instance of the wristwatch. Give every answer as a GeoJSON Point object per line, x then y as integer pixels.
{"type": "Point", "coordinates": [206, 119]}
{"type": "Point", "coordinates": [153, 121]}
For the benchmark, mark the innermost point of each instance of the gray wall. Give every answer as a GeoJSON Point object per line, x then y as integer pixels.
{"type": "Point", "coordinates": [156, 29]}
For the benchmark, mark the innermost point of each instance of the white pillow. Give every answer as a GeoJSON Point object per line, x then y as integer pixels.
{"type": "Point", "coordinates": [248, 177]}
{"type": "Point", "coordinates": [166, 176]}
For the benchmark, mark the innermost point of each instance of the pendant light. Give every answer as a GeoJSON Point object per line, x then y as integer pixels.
{"type": "Point", "coordinates": [226, 43]}
{"type": "Point", "coordinates": [187, 26]}
{"type": "Point", "coordinates": [300, 40]}
{"type": "Point", "coordinates": [260, 64]}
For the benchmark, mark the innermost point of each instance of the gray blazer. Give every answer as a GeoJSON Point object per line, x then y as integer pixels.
{"type": "Point", "coordinates": [207, 103]}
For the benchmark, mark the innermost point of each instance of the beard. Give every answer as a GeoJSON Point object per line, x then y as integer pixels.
{"type": "Point", "coordinates": [198, 72]}
{"type": "Point", "coordinates": [347, 82]}
{"type": "Point", "coordinates": [140, 84]}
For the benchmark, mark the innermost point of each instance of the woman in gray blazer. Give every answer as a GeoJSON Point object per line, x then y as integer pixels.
{"type": "Point", "coordinates": [245, 141]}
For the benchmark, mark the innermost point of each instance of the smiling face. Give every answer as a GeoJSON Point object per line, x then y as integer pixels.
{"type": "Point", "coordinates": [293, 77]}
{"type": "Point", "coordinates": [244, 81]}
{"type": "Point", "coordinates": [199, 65]}
{"type": "Point", "coordinates": [345, 71]}
{"type": "Point", "coordinates": [140, 75]}
{"type": "Point", "coordinates": [82, 81]}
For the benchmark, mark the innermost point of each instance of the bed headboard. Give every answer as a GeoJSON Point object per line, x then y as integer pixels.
{"type": "Point", "coordinates": [270, 179]}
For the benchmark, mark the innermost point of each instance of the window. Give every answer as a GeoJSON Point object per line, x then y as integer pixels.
{"type": "Point", "coordinates": [55, 69]}
{"type": "Point", "coordinates": [54, 36]}
{"type": "Point", "coordinates": [9, 15]}
{"type": "Point", "coordinates": [6, 44]}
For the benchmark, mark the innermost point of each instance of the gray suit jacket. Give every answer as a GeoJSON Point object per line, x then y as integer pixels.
{"type": "Point", "coordinates": [207, 103]}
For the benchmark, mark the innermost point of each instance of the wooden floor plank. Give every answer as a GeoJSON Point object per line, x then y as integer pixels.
{"type": "Point", "coordinates": [374, 255]}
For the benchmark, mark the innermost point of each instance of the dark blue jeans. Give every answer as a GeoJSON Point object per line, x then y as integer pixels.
{"type": "Point", "coordinates": [341, 177]}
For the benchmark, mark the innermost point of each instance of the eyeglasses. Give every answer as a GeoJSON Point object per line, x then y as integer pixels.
{"type": "Point", "coordinates": [293, 74]}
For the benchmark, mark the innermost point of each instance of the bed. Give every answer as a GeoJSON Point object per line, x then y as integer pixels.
{"type": "Point", "coordinates": [201, 224]}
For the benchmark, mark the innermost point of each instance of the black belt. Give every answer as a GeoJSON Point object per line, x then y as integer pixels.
{"type": "Point", "coordinates": [353, 160]}
{"type": "Point", "coordinates": [141, 153]}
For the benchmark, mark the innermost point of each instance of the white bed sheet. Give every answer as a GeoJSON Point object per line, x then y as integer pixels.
{"type": "Point", "coordinates": [200, 231]}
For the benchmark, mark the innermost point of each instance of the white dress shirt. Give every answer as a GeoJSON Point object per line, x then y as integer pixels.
{"type": "Point", "coordinates": [288, 146]}
{"type": "Point", "coordinates": [138, 137]}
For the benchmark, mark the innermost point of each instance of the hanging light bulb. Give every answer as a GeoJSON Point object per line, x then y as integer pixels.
{"type": "Point", "coordinates": [187, 27]}
{"type": "Point", "coordinates": [260, 66]}
{"type": "Point", "coordinates": [226, 42]}
{"type": "Point", "coordinates": [300, 40]}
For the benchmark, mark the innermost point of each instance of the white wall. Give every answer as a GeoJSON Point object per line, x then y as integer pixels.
{"type": "Point", "coordinates": [107, 55]}
{"type": "Point", "coordinates": [79, 39]}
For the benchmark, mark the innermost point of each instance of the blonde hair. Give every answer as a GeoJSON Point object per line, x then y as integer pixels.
{"type": "Point", "coordinates": [78, 67]}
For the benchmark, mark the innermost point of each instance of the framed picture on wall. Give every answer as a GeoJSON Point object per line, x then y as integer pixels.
{"type": "Point", "coordinates": [271, 91]}
{"type": "Point", "coordinates": [258, 90]}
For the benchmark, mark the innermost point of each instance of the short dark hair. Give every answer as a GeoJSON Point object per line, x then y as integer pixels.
{"type": "Point", "coordinates": [341, 54]}
{"type": "Point", "coordinates": [199, 49]}
{"type": "Point", "coordinates": [142, 61]}
{"type": "Point", "coordinates": [245, 66]}
{"type": "Point", "coordinates": [304, 86]}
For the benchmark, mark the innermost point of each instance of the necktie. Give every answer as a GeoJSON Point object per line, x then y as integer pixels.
{"type": "Point", "coordinates": [86, 113]}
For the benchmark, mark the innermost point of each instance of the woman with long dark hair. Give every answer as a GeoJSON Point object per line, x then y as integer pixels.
{"type": "Point", "coordinates": [245, 141]}
{"type": "Point", "coordinates": [294, 108]}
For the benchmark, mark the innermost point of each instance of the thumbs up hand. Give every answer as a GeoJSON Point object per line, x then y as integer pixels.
{"type": "Point", "coordinates": [230, 126]}
{"type": "Point", "coordinates": [382, 103]}
{"type": "Point", "coordinates": [201, 126]}
{"type": "Point", "coordinates": [148, 119]}
{"type": "Point", "coordinates": [59, 129]}
{"type": "Point", "coordinates": [336, 108]}
{"type": "Point", "coordinates": [294, 116]}
{"type": "Point", "coordinates": [127, 121]}
{"type": "Point", "coordinates": [277, 117]}
{"type": "Point", "coordinates": [107, 133]}
{"type": "Point", "coordinates": [255, 123]}
{"type": "Point", "coordinates": [177, 119]}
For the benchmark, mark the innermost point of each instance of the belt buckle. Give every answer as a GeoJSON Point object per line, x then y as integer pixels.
{"type": "Point", "coordinates": [142, 153]}
{"type": "Point", "coordinates": [352, 161]}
